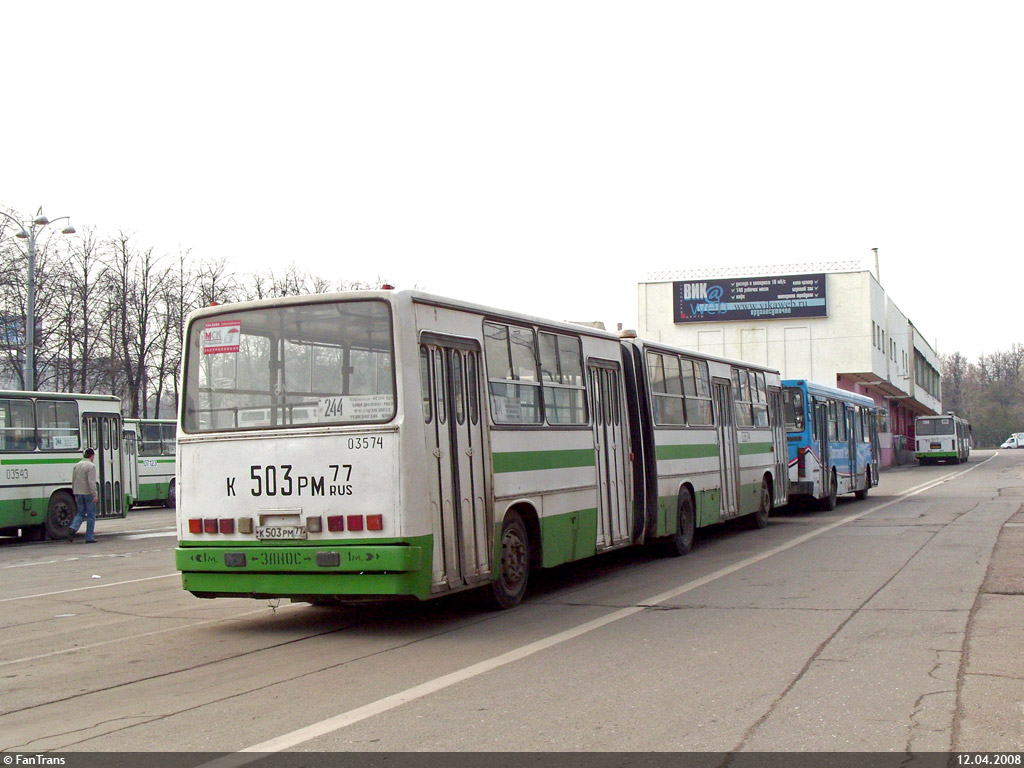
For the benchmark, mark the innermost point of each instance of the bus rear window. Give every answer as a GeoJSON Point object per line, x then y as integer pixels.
{"type": "Point", "coordinates": [942, 426]}
{"type": "Point", "coordinates": [793, 407]}
{"type": "Point", "coordinates": [291, 366]}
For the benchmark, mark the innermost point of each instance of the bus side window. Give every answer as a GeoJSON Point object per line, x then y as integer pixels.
{"type": "Point", "coordinates": [513, 382]}
{"type": "Point", "coordinates": [664, 374]}
{"type": "Point", "coordinates": [168, 438]}
{"type": "Point", "coordinates": [458, 387]}
{"type": "Point", "coordinates": [439, 387]}
{"type": "Point", "coordinates": [17, 425]}
{"type": "Point", "coordinates": [564, 392]}
{"type": "Point", "coordinates": [757, 384]}
{"type": "Point", "coordinates": [473, 388]}
{"type": "Point", "coordinates": [741, 398]}
{"type": "Point", "coordinates": [833, 428]}
{"type": "Point", "coordinates": [428, 411]}
{"type": "Point", "coordinates": [150, 440]}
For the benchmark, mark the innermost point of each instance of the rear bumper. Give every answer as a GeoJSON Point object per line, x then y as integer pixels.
{"type": "Point", "coordinates": [293, 571]}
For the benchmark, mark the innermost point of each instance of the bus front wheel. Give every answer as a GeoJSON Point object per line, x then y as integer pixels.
{"type": "Point", "coordinates": [172, 497]}
{"type": "Point", "coordinates": [508, 588]}
{"type": "Point", "coordinates": [59, 514]}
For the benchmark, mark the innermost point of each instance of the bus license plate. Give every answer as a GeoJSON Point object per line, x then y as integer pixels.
{"type": "Point", "coordinates": [936, 446]}
{"type": "Point", "coordinates": [280, 532]}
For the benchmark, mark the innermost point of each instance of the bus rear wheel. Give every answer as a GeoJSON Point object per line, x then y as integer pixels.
{"type": "Point", "coordinates": [59, 515]}
{"type": "Point", "coordinates": [681, 542]}
{"type": "Point", "coordinates": [172, 497]}
{"type": "Point", "coordinates": [828, 502]}
{"type": "Point", "coordinates": [760, 518]}
{"type": "Point", "coordinates": [863, 493]}
{"type": "Point", "coordinates": [514, 566]}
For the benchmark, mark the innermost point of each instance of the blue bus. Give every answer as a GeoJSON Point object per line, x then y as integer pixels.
{"type": "Point", "coordinates": [832, 436]}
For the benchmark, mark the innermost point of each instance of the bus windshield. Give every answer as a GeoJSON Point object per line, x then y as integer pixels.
{"type": "Point", "coordinates": [793, 405]}
{"type": "Point", "coordinates": [943, 426]}
{"type": "Point", "coordinates": [288, 366]}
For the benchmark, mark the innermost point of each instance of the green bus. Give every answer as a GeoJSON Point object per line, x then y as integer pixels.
{"type": "Point", "coordinates": [42, 437]}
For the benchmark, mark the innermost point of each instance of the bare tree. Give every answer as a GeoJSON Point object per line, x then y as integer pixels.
{"type": "Point", "coordinates": [135, 281]}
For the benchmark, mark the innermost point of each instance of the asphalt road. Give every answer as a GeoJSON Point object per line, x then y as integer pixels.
{"type": "Point", "coordinates": [886, 625]}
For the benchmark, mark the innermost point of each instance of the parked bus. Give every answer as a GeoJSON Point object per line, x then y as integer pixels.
{"type": "Point", "coordinates": [453, 446]}
{"type": "Point", "coordinates": [833, 442]}
{"type": "Point", "coordinates": [42, 437]}
{"type": "Point", "coordinates": [154, 460]}
{"type": "Point", "coordinates": [942, 438]}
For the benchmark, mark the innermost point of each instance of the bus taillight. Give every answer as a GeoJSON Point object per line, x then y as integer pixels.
{"type": "Point", "coordinates": [800, 453]}
{"type": "Point", "coordinates": [195, 525]}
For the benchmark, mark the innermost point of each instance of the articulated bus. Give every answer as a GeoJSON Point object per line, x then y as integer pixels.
{"type": "Point", "coordinates": [380, 444]}
{"type": "Point", "coordinates": [42, 437]}
{"type": "Point", "coordinates": [833, 442]}
{"type": "Point", "coordinates": [154, 441]}
{"type": "Point", "coordinates": [942, 438]}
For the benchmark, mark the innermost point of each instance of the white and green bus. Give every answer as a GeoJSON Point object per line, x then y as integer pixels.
{"type": "Point", "coordinates": [379, 444]}
{"type": "Point", "coordinates": [942, 438]}
{"type": "Point", "coordinates": [154, 460]}
{"type": "Point", "coordinates": [42, 437]}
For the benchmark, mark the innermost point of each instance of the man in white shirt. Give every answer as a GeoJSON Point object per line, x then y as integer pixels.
{"type": "Point", "coordinates": [85, 486]}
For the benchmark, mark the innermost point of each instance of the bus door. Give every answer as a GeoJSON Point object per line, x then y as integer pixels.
{"type": "Point", "coordinates": [451, 380]}
{"type": "Point", "coordinates": [875, 448]}
{"type": "Point", "coordinates": [103, 435]}
{"type": "Point", "coordinates": [725, 418]}
{"type": "Point", "coordinates": [852, 416]}
{"type": "Point", "coordinates": [824, 449]}
{"type": "Point", "coordinates": [780, 446]}
{"type": "Point", "coordinates": [610, 448]}
{"type": "Point", "coordinates": [130, 455]}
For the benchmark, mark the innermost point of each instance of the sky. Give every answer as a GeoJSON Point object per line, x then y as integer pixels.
{"type": "Point", "coordinates": [543, 157]}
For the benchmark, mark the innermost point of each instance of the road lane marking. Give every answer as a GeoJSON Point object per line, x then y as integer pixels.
{"type": "Point", "coordinates": [134, 536]}
{"type": "Point", "coordinates": [352, 716]}
{"type": "Point", "coordinates": [94, 586]}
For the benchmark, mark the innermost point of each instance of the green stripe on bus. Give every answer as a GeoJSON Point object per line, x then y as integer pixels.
{"type": "Point", "coordinates": [158, 461]}
{"type": "Point", "coordinates": [529, 461]}
{"type": "Point", "coordinates": [746, 449]}
{"type": "Point", "coordinates": [696, 451]}
{"type": "Point", "coordinates": [39, 461]}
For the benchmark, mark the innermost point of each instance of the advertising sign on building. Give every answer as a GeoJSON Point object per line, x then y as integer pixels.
{"type": "Point", "coordinates": [749, 298]}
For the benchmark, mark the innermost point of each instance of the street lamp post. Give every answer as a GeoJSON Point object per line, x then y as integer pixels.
{"type": "Point", "coordinates": [29, 233]}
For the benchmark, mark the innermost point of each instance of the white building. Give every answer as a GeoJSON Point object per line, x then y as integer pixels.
{"type": "Point", "coordinates": [833, 327]}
